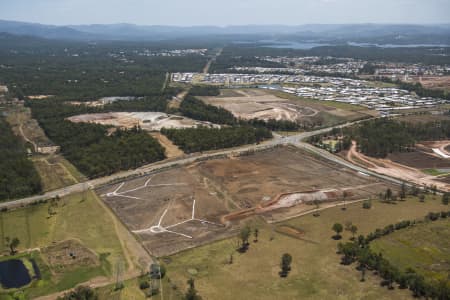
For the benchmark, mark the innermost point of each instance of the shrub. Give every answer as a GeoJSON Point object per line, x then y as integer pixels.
{"type": "Point", "coordinates": [367, 204]}
{"type": "Point", "coordinates": [144, 285]}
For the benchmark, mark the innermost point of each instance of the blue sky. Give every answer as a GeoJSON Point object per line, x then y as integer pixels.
{"type": "Point", "coordinates": [225, 12]}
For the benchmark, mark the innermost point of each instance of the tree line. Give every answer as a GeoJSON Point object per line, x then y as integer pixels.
{"type": "Point", "coordinates": [90, 147]}
{"type": "Point", "coordinates": [380, 137]}
{"type": "Point", "coordinates": [18, 177]}
{"type": "Point", "coordinates": [195, 108]}
{"type": "Point", "coordinates": [87, 72]}
{"type": "Point", "coordinates": [203, 138]}
{"type": "Point", "coordinates": [248, 56]}
{"type": "Point", "coordinates": [204, 90]}
{"type": "Point", "coordinates": [417, 88]}
{"type": "Point", "coordinates": [359, 251]}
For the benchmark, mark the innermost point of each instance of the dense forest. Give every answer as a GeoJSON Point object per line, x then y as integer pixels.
{"type": "Point", "coordinates": [416, 88]}
{"type": "Point", "coordinates": [274, 125]}
{"type": "Point", "coordinates": [380, 137]}
{"type": "Point", "coordinates": [18, 177]}
{"type": "Point", "coordinates": [88, 146]}
{"type": "Point", "coordinates": [196, 109]}
{"type": "Point", "coordinates": [204, 90]}
{"type": "Point", "coordinates": [86, 72]}
{"type": "Point", "coordinates": [423, 92]}
{"type": "Point", "coordinates": [203, 139]}
{"type": "Point", "coordinates": [246, 56]}
{"type": "Point", "coordinates": [148, 103]}
{"type": "Point", "coordinates": [231, 57]}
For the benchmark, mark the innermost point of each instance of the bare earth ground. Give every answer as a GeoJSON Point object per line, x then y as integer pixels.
{"type": "Point", "coordinates": [402, 165]}
{"type": "Point", "coordinates": [251, 104]}
{"type": "Point", "coordinates": [424, 157]}
{"type": "Point", "coordinates": [166, 199]}
{"type": "Point", "coordinates": [338, 109]}
{"type": "Point", "coordinates": [19, 117]}
{"type": "Point", "coordinates": [152, 121]}
{"type": "Point", "coordinates": [268, 104]}
{"type": "Point", "coordinates": [276, 184]}
{"type": "Point", "coordinates": [69, 254]}
{"type": "Point", "coordinates": [39, 97]}
{"type": "Point", "coordinates": [434, 82]}
{"type": "Point", "coordinates": [171, 149]}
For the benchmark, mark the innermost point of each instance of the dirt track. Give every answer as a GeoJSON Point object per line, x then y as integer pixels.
{"type": "Point", "coordinates": [171, 149]}
{"type": "Point", "coordinates": [259, 104]}
{"type": "Point", "coordinates": [160, 208]}
{"type": "Point", "coordinates": [394, 169]}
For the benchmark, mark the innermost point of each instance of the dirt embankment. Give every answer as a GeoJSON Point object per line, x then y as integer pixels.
{"type": "Point", "coordinates": [287, 200]}
{"type": "Point", "coordinates": [406, 166]}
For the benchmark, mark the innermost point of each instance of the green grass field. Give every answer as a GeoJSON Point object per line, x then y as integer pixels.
{"type": "Point", "coordinates": [424, 248]}
{"type": "Point", "coordinates": [77, 217]}
{"type": "Point", "coordinates": [71, 169]}
{"type": "Point", "coordinates": [52, 176]}
{"type": "Point", "coordinates": [132, 291]}
{"type": "Point", "coordinates": [56, 172]}
{"type": "Point", "coordinates": [434, 172]}
{"type": "Point", "coordinates": [316, 271]}
{"type": "Point", "coordinates": [129, 291]}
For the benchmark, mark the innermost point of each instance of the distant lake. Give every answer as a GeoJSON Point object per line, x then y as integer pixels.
{"type": "Point", "coordinates": [290, 44]}
{"type": "Point", "coordinates": [13, 274]}
{"type": "Point", "coordinates": [281, 44]}
{"type": "Point", "coordinates": [396, 46]}
{"type": "Point", "coordinates": [306, 45]}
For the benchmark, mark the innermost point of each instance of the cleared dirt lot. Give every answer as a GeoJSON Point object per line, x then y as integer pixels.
{"type": "Point", "coordinates": [258, 104]}
{"type": "Point", "coordinates": [286, 182]}
{"type": "Point", "coordinates": [407, 165]}
{"type": "Point", "coordinates": [276, 184]}
{"type": "Point", "coordinates": [423, 157]}
{"type": "Point", "coordinates": [434, 82]}
{"type": "Point", "coordinates": [152, 121]}
{"type": "Point", "coordinates": [165, 199]}
{"type": "Point", "coordinates": [266, 104]}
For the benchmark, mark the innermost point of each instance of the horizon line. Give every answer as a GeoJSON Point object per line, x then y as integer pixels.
{"type": "Point", "coordinates": [228, 25]}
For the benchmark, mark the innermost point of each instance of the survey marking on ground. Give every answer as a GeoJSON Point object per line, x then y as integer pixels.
{"type": "Point", "coordinates": [161, 229]}
{"type": "Point", "coordinates": [116, 192]}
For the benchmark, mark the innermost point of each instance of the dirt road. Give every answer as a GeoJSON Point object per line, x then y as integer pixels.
{"type": "Point", "coordinates": [393, 169]}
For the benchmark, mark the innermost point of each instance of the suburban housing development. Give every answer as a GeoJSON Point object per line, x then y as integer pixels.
{"type": "Point", "coordinates": [225, 162]}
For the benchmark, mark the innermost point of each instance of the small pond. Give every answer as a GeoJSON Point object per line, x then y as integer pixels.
{"type": "Point", "coordinates": [13, 274]}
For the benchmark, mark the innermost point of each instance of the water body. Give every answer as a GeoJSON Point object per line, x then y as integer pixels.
{"type": "Point", "coordinates": [397, 46]}
{"type": "Point", "coordinates": [13, 274]}
{"type": "Point", "coordinates": [290, 44]}
{"type": "Point", "coordinates": [306, 45]}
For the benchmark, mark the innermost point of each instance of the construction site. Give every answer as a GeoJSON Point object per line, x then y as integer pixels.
{"type": "Point", "coordinates": [428, 165]}
{"type": "Point", "coordinates": [187, 206]}
{"type": "Point", "coordinates": [265, 104]}
{"type": "Point", "coordinates": [151, 121]}
{"type": "Point", "coordinates": [258, 104]}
